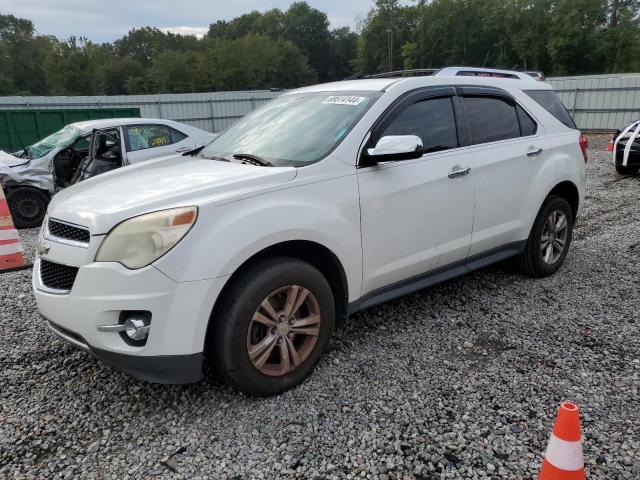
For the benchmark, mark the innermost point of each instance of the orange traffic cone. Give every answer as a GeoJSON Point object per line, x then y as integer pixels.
{"type": "Point", "coordinates": [563, 458]}
{"type": "Point", "coordinates": [11, 257]}
{"type": "Point", "coordinates": [610, 144]}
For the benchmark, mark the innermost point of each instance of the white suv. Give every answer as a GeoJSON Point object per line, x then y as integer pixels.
{"type": "Point", "coordinates": [325, 201]}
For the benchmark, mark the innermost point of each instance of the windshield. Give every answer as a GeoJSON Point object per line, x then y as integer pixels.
{"type": "Point", "coordinates": [295, 129]}
{"type": "Point", "coordinates": [60, 139]}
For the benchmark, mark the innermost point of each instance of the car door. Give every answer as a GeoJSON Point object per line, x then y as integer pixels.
{"type": "Point", "coordinates": [416, 215]}
{"type": "Point", "coordinates": [147, 141]}
{"type": "Point", "coordinates": [508, 149]}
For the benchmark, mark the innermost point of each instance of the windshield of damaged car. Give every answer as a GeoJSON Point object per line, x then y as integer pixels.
{"type": "Point", "coordinates": [295, 129]}
{"type": "Point", "coordinates": [60, 139]}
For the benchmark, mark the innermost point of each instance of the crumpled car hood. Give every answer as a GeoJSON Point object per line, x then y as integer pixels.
{"type": "Point", "coordinates": [103, 201]}
{"type": "Point", "coordinates": [25, 172]}
{"type": "Point", "coordinates": [6, 159]}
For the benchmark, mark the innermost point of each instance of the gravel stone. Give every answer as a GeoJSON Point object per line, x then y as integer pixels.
{"type": "Point", "coordinates": [461, 380]}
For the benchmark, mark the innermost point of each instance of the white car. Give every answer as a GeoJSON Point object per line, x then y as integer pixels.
{"type": "Point", "coordinates": [85, 149]}
{"type": "Point", "coordinates": [325, 201]}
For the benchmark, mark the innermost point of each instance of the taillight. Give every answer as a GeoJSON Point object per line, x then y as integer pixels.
{"type": "Point", "coordinates": [584, 146]}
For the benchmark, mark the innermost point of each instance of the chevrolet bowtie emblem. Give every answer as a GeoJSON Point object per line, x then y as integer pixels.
{"type": "Point", "coordinates": [41, 249]}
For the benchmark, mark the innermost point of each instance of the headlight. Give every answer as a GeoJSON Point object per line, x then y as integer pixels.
{"type": "Point", "coordinates": [137, 242]}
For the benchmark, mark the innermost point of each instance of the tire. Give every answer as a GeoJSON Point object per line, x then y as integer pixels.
{"type": "Point", "coordinates": [535, 261]}
{"type": "Point", "coordinates": [28, 206]}
{"type": "Point", "coordinates": [622, 170]}
{"type": "Point", "coordinates": [235, 333]}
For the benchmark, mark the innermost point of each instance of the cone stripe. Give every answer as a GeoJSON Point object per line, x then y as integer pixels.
{"type": "Point", "coordinates": [565, 455]}
{"type": "Point", "coordinates": [8, 235]}
{"type": "Point", "coordinates": [549, 472]}
{"type": "Point", "coordinates": [10, 249]}
{"type": "Point", "coordinates": [5, 221]}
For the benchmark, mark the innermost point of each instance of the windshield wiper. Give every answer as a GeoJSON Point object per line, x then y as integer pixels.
{"type": "Point", "coordinates": [213, 157]}
{"type": "Point", "coordinates": [253, 159]}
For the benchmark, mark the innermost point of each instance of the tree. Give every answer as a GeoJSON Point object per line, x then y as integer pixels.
{"type": "Point", "coordinates": [308, 29]}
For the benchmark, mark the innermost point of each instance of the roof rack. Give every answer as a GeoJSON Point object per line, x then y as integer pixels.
{"type": "Point", "coordinates": [413, 72]}
{"type": "Point", "coordinates": [456, 71]}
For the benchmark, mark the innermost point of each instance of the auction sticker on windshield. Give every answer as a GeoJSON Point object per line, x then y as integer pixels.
{"type": "Point", "coordinates": [344, 100]}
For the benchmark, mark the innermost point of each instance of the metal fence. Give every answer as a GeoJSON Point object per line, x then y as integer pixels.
{"type": "Point", "coordinates": [600, 102]}
{"type": "Point", "coordinates": [211, 111]}
{"type": "Point", "coordinates": [597, 102]}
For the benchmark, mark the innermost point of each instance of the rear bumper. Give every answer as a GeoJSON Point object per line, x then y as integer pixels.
{"type": "Point", "coordinates": [632, 161]}
{"type": "Point", "coordinates": [168, 369]}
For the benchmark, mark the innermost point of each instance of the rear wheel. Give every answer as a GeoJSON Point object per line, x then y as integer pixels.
{"type": "Point", "coordinates": [622, 170]}
{"type": "Point", "coordinates": [272, 326]}
{"type": "Point", "coordinates": [28, 206]}
{"type": "Point", "coordinates": [549, 240]}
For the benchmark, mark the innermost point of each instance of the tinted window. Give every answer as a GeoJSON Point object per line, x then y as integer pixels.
{"type": "Point", "coordinates": [177, 136]}
{"type": "Point", "coordinates": [140, 137]}
{"type": "Point", "coordinates": [528, 126]}
{"type": "Point", "coordinates": [491, 119]}
{"type": "Point", "coordinates": [552, 104]}
{"type": "Point", "coordinates": [432, 120]}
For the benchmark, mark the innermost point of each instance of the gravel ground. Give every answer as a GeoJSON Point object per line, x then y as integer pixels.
{"type": "Point", "coordinates": [458, 381]}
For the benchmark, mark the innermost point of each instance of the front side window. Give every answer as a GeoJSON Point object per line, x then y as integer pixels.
{"type": "Point", "coordinates": [491, 119]}
{"type": "Point", "coordinates": [296, 129]}
{"type": "Point", "coordinates": [432, 120]}
{"type": "Point", "coordinates": [141, 137]}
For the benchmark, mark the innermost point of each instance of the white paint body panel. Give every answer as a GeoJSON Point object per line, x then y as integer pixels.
{"type": "Point", "coordinates": [384, 224]}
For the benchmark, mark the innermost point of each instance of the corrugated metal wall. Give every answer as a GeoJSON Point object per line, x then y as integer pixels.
{"type": "Point", "coordinates": [600, 102]}
{"type": "Point", "coordinates": [211, 111]}
{"type": "Point", "coordinates": [597, 102]}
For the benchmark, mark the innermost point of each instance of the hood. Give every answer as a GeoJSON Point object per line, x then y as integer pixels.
{"type": "Point", "coordinates": [8, 160]}
{"type": "Point", "coordinates": [103, 201]}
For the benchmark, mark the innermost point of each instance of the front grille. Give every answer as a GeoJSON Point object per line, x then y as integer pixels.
{"type": "Point", "coordinates": [56, 276]}
{"type": "Point", "coordinates": [69, 232]}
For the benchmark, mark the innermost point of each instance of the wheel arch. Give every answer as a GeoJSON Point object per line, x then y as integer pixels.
{"type": "Point", "coordinates": [569, 191]}
{"type": "Point", "coordinates": [311, 252]}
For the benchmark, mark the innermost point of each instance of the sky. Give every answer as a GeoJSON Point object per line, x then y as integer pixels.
{"type": "Point", "coordinates": [107, 20]}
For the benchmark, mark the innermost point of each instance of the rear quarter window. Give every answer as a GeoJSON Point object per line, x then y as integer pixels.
{"type": "Point", "coordinates": [548, 100]}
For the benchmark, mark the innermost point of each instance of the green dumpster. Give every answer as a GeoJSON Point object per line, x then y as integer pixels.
{"type": "Point", "coordinates": [20, 128]}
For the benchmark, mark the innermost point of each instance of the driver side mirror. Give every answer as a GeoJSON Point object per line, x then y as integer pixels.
{"type": "Point", "coordinates": [396, 147]}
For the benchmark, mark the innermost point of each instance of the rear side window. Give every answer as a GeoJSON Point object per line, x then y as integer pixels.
{"type": "Point", "coordinates": [432, 120]}
{"type": "Point", "coordinates": [528, 125]}
{"type": "Point", "coordinates": [552, 104]}
{"type": "Point", "coordinates": [176, 135]}
{"type": "Point", "coordinates": [491, 119]}
{"type": "Point", "coordinates": [141, 137]}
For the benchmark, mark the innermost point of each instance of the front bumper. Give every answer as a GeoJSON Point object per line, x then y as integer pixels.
{"type": "Point", "coordinates": [101, 291]}
{"type": "Point", "coordinates": [169, 369]}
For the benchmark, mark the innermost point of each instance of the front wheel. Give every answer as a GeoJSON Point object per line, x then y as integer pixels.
{"type": "Point", "coordinates": [622, 170]}
{"type": "Point", "coordinates": [549, 240]}
{"type": "Point", "coordinates": [272, 327]}
{"type": "Point", "coordinates": [28, 206]}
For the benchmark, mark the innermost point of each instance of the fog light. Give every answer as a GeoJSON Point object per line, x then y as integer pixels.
{"type": "Point", "coordinates": [136, 328]}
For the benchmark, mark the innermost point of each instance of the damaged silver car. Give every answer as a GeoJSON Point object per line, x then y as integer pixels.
{"type": "Point", "coordinates": [83, 150]}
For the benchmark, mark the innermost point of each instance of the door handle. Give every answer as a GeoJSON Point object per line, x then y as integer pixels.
{"type": "Point", "coordinates": [458, 172]}
{"type": "Point", "coordinates": [533, 151]}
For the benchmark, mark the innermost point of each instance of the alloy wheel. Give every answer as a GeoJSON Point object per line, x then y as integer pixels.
{"type": "Point", "coordinates": [283, 330]}
{"type": "Point", "coordinates": [554, 237]}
